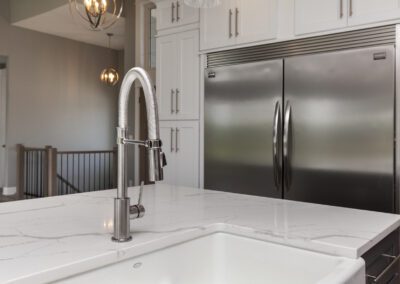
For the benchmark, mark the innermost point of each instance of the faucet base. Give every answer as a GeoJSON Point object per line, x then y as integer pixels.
{"type": "Point", "coordinates": [114, 239]}
{"type": "Point", "coordinates": [121, 220]}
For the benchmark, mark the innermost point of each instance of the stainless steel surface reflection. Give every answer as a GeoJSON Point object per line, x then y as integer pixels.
{"type": "Point", "coordinates": [239, 117]}
{"type": "Point", "coordinates": [342, 147]}
{"type": "Point", "coordinates": [321, 125]}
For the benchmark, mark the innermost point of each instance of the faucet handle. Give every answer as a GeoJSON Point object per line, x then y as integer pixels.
{"type": "Point", "coordinates": [140, 192]}
{"type": "Point", "coordinates": [163, 159]}
{"type": "Point", "coordinates": [137, 211]}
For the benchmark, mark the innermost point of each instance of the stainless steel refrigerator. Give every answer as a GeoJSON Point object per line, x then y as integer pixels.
{"type": "Point", "coordinates": [316, 128]}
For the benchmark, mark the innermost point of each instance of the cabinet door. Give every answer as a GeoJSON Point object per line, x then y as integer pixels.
{"type": "Point", "coordinates": [166, 14]}
{"type": "Point", "coordinates": [187, 150]}
{"type": "Point", "coordinates": [320, 15]}
{"type": "Point", "coordinates": [217, 26]}
{"type": "Point", "coordinates": [175, 13]}
{"type": "Point", "coordinates": [187, 89]}
{"type": "Point", "coordinates": [167, 135]}
{"type": "Point", "coordinates": [369, 11]}
{"type": "Point", "coordinates": [167, 68]}
{"type": "Point", "coordinates": [255, 20]}
{"type": "Point", "coordinates": [186, 14]}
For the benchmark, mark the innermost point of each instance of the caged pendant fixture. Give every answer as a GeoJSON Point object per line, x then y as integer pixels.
{"type": "Point", "coordinates": [96, 14]}
{"type": "Point", "coordinates": [202, 3]}
{"type": "Point", "coordinates": [109, 75]}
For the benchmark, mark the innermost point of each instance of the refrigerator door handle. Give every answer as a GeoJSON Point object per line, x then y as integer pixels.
{"type": "Point", "coordinates": [286, 145]}
{"type": "Point", "coordinates": [276, 145]}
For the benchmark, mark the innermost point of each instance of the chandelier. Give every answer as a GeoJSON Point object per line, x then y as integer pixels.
{"type": "Point", "coordinates": [109, 75]}
{"type": "Point", "coordinates": [202, 3]}
{"type": "Point", "coordinates": [97, 14]}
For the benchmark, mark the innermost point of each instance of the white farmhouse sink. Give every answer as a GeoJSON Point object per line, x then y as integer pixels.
{"type": "Point", "coordinates": [222, 258]}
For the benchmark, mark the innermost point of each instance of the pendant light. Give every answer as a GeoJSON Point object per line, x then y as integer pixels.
{"type": "Point", "coordinates": [109, 75]}
{"type": "Point", "coordinates": [202, 3]}
{"type": "Point", "coordinates": [96, 14]}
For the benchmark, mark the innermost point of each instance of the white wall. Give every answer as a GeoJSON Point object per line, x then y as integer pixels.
{"type": "Point", "coordinates": [55, 96]}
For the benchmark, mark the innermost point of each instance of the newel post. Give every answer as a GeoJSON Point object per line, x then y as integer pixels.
{"type": "Point", "coordinates": [20, 171]}
{"type": "Point", "coordinates": [51, 171]}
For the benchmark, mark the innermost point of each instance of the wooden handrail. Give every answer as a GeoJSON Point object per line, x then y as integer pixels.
{"type": "Point", "coordinates": [46, 172]}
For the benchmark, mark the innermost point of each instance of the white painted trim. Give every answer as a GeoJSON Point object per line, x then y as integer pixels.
{"type": "Point", "coordinates": [9, 191]}
{"type": "Point", "coordinates": [3, 126]}
{"type": "Point", "coordinates": [203, 64]}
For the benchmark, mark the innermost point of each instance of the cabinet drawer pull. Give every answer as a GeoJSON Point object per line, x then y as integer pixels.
{"type": "Point", "coordinates": [172, 100]}
{"type": "Point", "coordinates": [172, 140]}
{"type": "Point", "coordinates": [236, 22]}
{"type": "Point", "coordinates": [177, 101]}
{"type": "Point", "coordinates": [341, 9]}
{"type": "Point", "coordinates": [377, 279]}
{"type": "Point", "coordinates": [230, 23]}
{"type": "Point", "coordinates": [178, 5]}
{"type": "Point", "coordinates": [176, 139]}
{"type": "Point", "coordinates": [172, 12]}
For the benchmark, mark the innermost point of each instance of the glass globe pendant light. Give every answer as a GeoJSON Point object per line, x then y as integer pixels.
{"type": "Point", "coordinates": [96, 14]}
{"type": "Point", "coordinates": [202, 3]}
{"type": "Point", "coordinates": [109, 75]}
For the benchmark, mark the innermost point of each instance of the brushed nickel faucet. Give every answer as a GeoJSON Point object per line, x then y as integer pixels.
{"type": "Point", "coordinates": [123, 211]}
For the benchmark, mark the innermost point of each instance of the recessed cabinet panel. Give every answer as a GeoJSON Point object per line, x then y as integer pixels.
{"type": "Point", "coordinates": [187, 93]}
{"type": "Point", "coordinates": [166, 70]}
{"type": "Point", "coordinates": [178, 62]}
{"type": "Point", "coordinates": [216, 26]}
{"type": "Point", "coordinates": [172, 14]}
{"type": "Point", "coordinates": [187, 144]}
{"type": "Point", "coordinates": [317, 15]}
{"type": "Point", "coordinates": [255, 20]}
{"type": "Point", "coordinates": [369, 11]}
{"type": "Point", "coordinates": [167, 135]}
{"type": "Point", "coordinates": [238, 22]}
{"type": "Point", "coordinates": [181, 147]}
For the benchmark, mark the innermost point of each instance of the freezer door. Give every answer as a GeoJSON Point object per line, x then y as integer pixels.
{"type": "Point", "coordinates": [339, 128]}
{"type": "Point", "coordinates": [242, 128]}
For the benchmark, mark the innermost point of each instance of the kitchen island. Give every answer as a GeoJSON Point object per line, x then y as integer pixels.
{"type": "Point", "coordinates": [48, 239]}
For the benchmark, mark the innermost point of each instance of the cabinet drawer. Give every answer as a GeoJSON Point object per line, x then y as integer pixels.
{"type": "Point", "coordinates": [381, 262]}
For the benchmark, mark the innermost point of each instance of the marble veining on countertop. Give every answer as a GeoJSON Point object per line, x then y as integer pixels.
{"type": "Point", "coordinates": [45, 239]}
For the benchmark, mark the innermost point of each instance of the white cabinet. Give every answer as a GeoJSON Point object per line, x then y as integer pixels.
{"type": "Point", "coordinates": [316, 15]}
{"type": "Point", "coordinates": [172, 14]}
{"type": "Point", "coordinates": [181, 146]}
{"type": "Point", "coordinates": [369, 11]}
{"type": "Point", "coordinates": [238, 22]}
{"type": "Point", "coordinates": [178, 65]}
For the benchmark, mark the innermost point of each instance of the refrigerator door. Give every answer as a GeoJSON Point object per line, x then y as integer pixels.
{"type": "Point", "coordinates": [339, 128]}
{"type": "Point", "coordinates": [242, 139]}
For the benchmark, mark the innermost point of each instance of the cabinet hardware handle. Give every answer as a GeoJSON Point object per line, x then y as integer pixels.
{"type": "Point", "coordinates": [172, 12]}
{"type": "Point", "coordinates": [177, 101]}
{"type": "Point", "coordinates": [276, 146]}
{"type": "Point", "coordinates": [172, 140]}
{"type": "Point", "coordinates": [176, 139]}
{"type": "Point", "coordinates": [178, 5]}
{"type": "Point", "coordinates": [236, 22]}
{"type": "Point", "coordinates": [377, 279]}
{"type": "Point", "coordinates": [287, 144]}
{"type": "Point", "coordinates": [230, 23]}
{"type": "Point", "coordinates": [172, 100]}
{"type": "Point", "coordinates": [341, 9]}
{"type": "Point", "coordinates": [351, 8]}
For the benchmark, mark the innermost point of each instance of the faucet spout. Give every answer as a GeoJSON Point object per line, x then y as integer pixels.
{"type": "Point", "coordinates": [156, 158]}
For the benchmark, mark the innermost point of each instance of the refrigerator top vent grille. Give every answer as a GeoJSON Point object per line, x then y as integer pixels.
{"type": "Point", "coordinates": [353, 39]}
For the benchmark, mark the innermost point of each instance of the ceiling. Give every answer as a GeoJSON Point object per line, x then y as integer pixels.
{"type": "Point", "coordinates": [59, 22]}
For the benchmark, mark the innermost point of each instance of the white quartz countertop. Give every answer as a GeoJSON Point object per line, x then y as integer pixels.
{"type": "Point", "coordinates": [46, 239]}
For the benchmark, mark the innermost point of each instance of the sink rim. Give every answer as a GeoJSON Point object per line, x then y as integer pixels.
{"type": "Point", "coordinates": [194, 233]}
